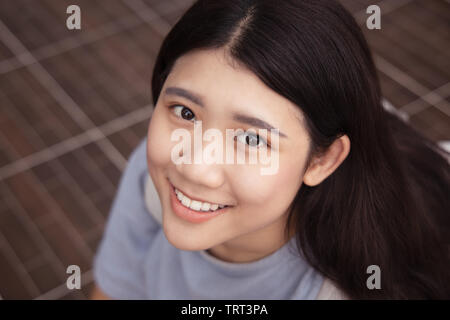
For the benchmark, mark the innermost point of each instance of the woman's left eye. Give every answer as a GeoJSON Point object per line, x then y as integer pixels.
{"type": "Point", "coordinates": [183, 112]}
{"type": "Point", "coordinates": [253, 140]}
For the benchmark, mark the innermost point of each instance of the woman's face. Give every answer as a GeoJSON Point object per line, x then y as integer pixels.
{"type": "Point", "coordinates": [231, 98]}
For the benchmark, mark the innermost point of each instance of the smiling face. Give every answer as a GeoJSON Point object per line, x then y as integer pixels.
{"type": "Point", "coordinates": [203, 86]}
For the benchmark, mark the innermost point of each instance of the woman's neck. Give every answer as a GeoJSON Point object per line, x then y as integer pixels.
{"type": "Point", "coordinates": [253, 246]}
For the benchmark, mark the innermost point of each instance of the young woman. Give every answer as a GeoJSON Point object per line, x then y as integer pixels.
{"type": "Point", "coordinates": [355, 188]}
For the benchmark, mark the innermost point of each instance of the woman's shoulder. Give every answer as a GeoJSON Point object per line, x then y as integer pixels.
{"type": "Point", "coordinates": [138, 160]}
{"type": "Point", "coordinates": [329, 291]}
{"type": "Point", "coordinates": [152, 201]}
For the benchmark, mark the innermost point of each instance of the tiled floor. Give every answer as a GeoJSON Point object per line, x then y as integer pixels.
{"type": "Point", "coordinates": [74, 104]}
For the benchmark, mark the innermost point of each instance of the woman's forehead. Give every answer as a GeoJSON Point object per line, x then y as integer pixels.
{"type": "Point", "coordinates": [209, 75]}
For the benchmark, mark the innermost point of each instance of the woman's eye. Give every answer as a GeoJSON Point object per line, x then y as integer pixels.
{"type": "Point", "coordinates": [183, 112]}
{"type": "Point", "coordinates": [252, 140]}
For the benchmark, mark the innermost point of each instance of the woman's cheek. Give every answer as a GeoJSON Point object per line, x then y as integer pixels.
{"type": "Point", "coordinates": [158, 141]}
{"type": "Point", "coordinates": [275, 190]}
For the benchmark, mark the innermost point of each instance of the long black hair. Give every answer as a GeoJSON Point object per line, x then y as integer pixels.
{"type": "Point", "coordinates": [387, 203]}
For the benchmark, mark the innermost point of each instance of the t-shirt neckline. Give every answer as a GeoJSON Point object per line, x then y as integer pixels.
{"type": "Point", "coordinates": [271, 260]}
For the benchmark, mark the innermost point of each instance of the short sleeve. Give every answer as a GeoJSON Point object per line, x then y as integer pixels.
{"type": "Point", "coordinates": [119, 262]}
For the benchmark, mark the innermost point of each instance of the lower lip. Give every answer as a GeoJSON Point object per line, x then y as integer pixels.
{"type": "Point", "coordinates": [189, 214]}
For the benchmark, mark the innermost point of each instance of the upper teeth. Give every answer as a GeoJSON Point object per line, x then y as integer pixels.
{"type": "Point", "coordinates": [197, 205]}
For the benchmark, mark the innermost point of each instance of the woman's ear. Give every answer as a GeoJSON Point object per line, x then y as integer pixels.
{"type": "Point", "coordinates": [324, 165]}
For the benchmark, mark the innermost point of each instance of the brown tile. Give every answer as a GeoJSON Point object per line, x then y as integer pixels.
{"type": "Point", "coordinates": [155, 3]}
{"type": "Point", "coordinates": [429, 58]}
{"type": "Point", "coordinates": [46, 278]}
{"type": "Point", "coordinates": [433, 123]}
{"type": "Point", "coordinates": [438, 9]}
{"type": "Point", "coordinates": [71, 208]}
{"type": "Point", "coordinates": [30, 197]}
{"type": "Point", "coordinates": [140, 129]}
{"type": "Point", "coordinates": [355, 6]}
{"type": "Point", "coordinates": [407, 62]}
{"type": "Point", "coordinates": [44, 172]}
{"type": "Point", "coordinates": [19, 18]}
{"type": "Point", "coordinates": [397, 94]}
{"type": "Point", "coordinates": [66, 247]}
{"type": "Point", "coordinates": [102, 168]}
{"type": "Point", "coordinates": [95, 240]}
{"type": "Point", "coordinates": [77, 81]}
{"type": "Point", "coordinates": [172, 18]}
{"type": "Point", "coordinates": [96, 154]}
{"type": "Point", "coordinates": [112, 173]}
{"type": "Point", "coordinates": [416, 25]}
{"type": "Point", "coordinates": [15, 136]}
{"type": "Point", "coordinates": [5, 53]}
{"type": "Point", "coordinates": [11, 284]}
{"type": "Point", "coordinates": [18, 237]}
{"type": "Point", "coordinates": [103, 203]}
{"type": "Point", "coordinates": [39, 23]}
{"type": "Point", "coordinates": [125, 47]}
{"type": "Point", "coordinates": [34, 120]}
{"type": "Point", "coordinates": [77, 171]}
{"type": "Point", "coordinates": [5, 156]}
{"type": "Point", "coordinates": [401, 41]}
{"type": "Point", "coordinates": [148, 40]}
{"type": "Point", "coordinates": [95, 169]}
{"type": "Point", "coordinates": [121, 140]}
{"type": "Point", "coordinates": [90, 75]}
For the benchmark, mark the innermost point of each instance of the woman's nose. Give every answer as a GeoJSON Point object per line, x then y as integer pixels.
{"type": "Point", "coordinates": [208, 175]}
{"type": "Point", "coordinates": [202, 171]}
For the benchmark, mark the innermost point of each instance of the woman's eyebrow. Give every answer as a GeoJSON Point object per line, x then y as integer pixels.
{"type": "Point", "coordinates": [255, 122]}
{"type": "Point", "coordinates": [176, 91]}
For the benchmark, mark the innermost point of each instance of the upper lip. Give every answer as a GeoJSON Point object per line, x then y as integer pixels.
{"type": "Point", "coordinates": [196, 199]}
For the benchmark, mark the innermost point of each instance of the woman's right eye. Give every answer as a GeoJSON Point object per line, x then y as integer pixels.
{"type": "Point", "coordinates": [183, 112]}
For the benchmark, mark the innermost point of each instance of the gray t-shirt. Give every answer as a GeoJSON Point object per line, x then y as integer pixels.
{"type": "Point", "coordinates": [136, 261]}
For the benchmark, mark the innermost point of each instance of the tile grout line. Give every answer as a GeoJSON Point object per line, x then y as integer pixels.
{"type": "Point", "coordinates": [63, 220]}
{"type": "Point", "coordinates": [149, 16]}
{"type": "Point", "coordinates": [35, 262]}
{"type": "Point", "coordinates": [96, 216]}
{"type": "Point", "coordinates": [59, 130]}
{"type": "Point", "coordinates": [73, 42]}
{"type": "Point", "coordinates": [68, 43]}
{"type": "Point", "coordinates": [396, 74]}
{"type": "Point", "coordinates": [34, 231]}
{"type": "Point", "coordinates": [60, 95]}
{"type": "Point", "coordinates": [18, 266]}
{"type": "Point", "coordinates": [416, 106]}
{"type": "Point", "coordinates": [406, 81]}
{"type": "Point", "coordinates": [75, 142]}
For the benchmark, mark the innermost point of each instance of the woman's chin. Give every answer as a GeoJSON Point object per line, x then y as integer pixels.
{"type": "Point", "coordinates": [184, 241]}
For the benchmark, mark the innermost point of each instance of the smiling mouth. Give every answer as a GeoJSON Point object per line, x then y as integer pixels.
{"type": "Point", "coordinates": [193, 215]}
{"type": "Point", "coordinates": [197, 205]}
